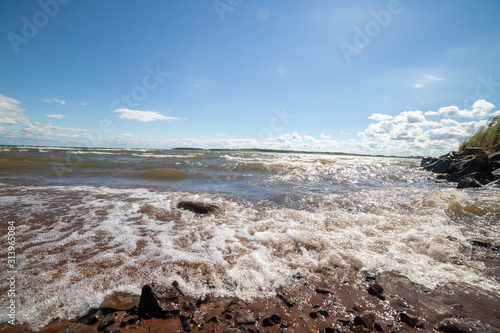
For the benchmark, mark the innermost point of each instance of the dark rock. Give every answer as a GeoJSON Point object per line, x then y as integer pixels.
{"type": "Point", "coordinates": [427, 160]}
{"type": "Point", "coordinates": [93, 317]}
{"type": "Point", "coordinates": [480, 244]}
{"type": "Point", "coordinates": [324, 291]}
{"type": "Point", "coordinates": [284, 295]}
{"type": "Point", "coordinates": [441, 166]}
{"type": "Point", "coordinates": [377, 327]}
{"type": "Point", "coordinates": [366, 320]}
{"type": "Point", "coordinates": [495, 156]}
{"type": "Point", "coordinates": [120, 301]}
{"type": "Point", "coordinates": [129, 320]}
{"type": "Point", "coordinates": [317, 311]}
{"type": "Point", "coordinates": [232, 330]}
{"type": "Point", "coordinates": [81, 329]}
{"type": "Point", "coordinates": [408, 319]}
{"type": "Point", "coordinates": [158, 301]}
{"type": "Point", "coordinates": [199, 207]}
{"type": "Point", "coordinates": [186, 327]}
{"type": "Point", "coordinates": [244, 317]}
{"type": "Point", "coordinates": [477, 163]}
{"type": "Point", "coordinates": [465, 325]}
{"type": "Point", "coordinates": [472, 151]}
{"type": "Point", "coordinates": [108, 320]}
{"type": "Point", "coordinates": [482, 178]}
{"type": "Point", "coordinates": [376, 289]}
{"type": "Point", "coordinates": [468, 182]}
{"type": "Point", "coordinates": [271, 321]}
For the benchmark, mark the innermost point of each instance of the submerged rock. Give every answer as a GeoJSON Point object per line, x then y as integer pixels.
{"type": "Point", "coordinates": [465, 325]}
{"type": "Point", "coordinates": [199, 207]}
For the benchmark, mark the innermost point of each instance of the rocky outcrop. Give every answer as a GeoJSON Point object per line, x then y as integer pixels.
{"type": "Point", "coordinates": [472, 167]}
{"type": "Point", "coordinates": [199, 207]}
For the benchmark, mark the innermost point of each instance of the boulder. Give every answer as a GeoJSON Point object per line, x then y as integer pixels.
{"type": "Point", "coordinates": [495, 156]}
{"type": "Point", "coordinates": [472, 151]}
{"type": "Point", "coordinates": [198, 207]}
{"type": "Point", "coordinates": [108, 320]}
{"type": "Point", "coordinates": [465, 325]}
{"type": "Point", "coordinates": [481, 177]}
{"type": "Point", "coordinates": [468, 182]}
{"type": "Point", "coordinates": [158, 301]}
{"type": "Point", "coordinates": [427, 160]}
{"type": "Point", "coordinates": [120, 301]}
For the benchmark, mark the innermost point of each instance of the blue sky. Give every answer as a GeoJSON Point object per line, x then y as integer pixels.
{"type": "Point", "coordinates": [380, 77]}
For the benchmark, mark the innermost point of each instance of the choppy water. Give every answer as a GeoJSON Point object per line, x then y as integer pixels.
{"type": "Point", "coordinates": [91, 221]}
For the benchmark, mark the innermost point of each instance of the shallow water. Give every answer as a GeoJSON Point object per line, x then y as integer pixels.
{"type": "Point", "coordinates": [91, 221]}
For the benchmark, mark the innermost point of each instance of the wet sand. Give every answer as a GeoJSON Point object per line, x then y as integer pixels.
{"type": "Point", "coordinates": [343, 300]}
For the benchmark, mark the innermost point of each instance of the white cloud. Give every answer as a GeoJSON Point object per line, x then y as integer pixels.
{"type": "Point", "coordinates": [427, 79]}
{"type": "Point", "coordinates": [324, 136]}
{"type": "Point", "coordinates": [84, 104]}
{"type": "Point", "coordinates": [380, 117]}
{"type": "Point", "coordinates": [410, 117]}
{"type": "Point", "coordinates": [145, 116]}
{"type": "Point", "coordinates": [432, 113]}
{"type": "Point", "coordinates": [60, 101]}
{"type": "Point", "coordinates": [480, 109]}
{"type": "Point", "coordinates": [57, 116]}
{"type": "Point", "coordinates": [10, 111]}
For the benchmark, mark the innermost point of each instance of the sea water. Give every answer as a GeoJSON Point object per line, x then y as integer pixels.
{"type": "Point", "coordinates": [93, 221]}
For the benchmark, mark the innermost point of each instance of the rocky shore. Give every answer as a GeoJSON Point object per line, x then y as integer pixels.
{"type": "Point", "coordinates": [472, 167]}
{"type": "Point", "coordinates": [344, 300]}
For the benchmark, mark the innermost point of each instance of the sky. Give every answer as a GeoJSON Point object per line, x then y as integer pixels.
{"type": "Point", "coordinates": [374, 77]}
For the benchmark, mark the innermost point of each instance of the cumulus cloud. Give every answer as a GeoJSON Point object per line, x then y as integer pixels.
{"type": "Point", "coordinates": [57, 116]}
{"type": "Point", "coordinates": [145, 116]}
{"type": "Point", "coordinates": [10, 111]}
{"type": "Point", "coordinates": [410, 117]}
{"type": "Point", "coordinates": [409, 132]}
{"type": "Point", "coordinates": [380, 117]}
{"type": "Point", "coordinates": [324, 136]}
{"type": "Point", "coordinates": [480, 109]}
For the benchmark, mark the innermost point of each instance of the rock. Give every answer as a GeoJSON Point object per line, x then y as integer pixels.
{"type": "Point", "coordinates": [93, 317]}
{"type": "Point", "coordinates": [324, 291]}
{"type": "Point", "coordinates": [441, 166]}
{"type": "Point", "coordinates": [366, 320]}
{"type": "Point", "coordinates": [468, 182]}
{"type": "Point", "coordinates": [427, 160]}
{"type": "Point", "coordinates": [495, 156]}
{"type": "Point", "coordinates": [376, 289]}
{"type": "Point", "coordinates": [271, 321]}
{"type": "Point", "coordinates": [476, 164]}
{"type": "Point", "coordinates": [199, 207]}
{"type": "Point", "coordinates": [232, 330]}
{"type": "Point", "coordinates": [108, 320]}
{"type": "Point", "coordinates": [81, 329]}
{"type": "Point", "coordinates": [482, 178]}
{"type": "Point", "coordinates": [112, 330]}
{"type": "Point", "coordinates": [158, 301]}
{"type": "Point", "coordinates": [120, 301]}
{"type": "Point", "coordinates": [472, 151]}
{"type": "Point", "coordinates": [244, 317]}
{"type": "Point", "coordinates": [317, 311]}
{"type": "Point", "coordinates": [284, 295]}
{"type": "Point", "coordinates": [408, 319]}
{"type": "Point", "coordinates": [129, 320]}
{"type": "Point", "coordinates": [465, 325]}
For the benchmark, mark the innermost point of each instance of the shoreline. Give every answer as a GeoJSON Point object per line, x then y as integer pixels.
{"type": "Point", "coordinates": [343, 300]}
